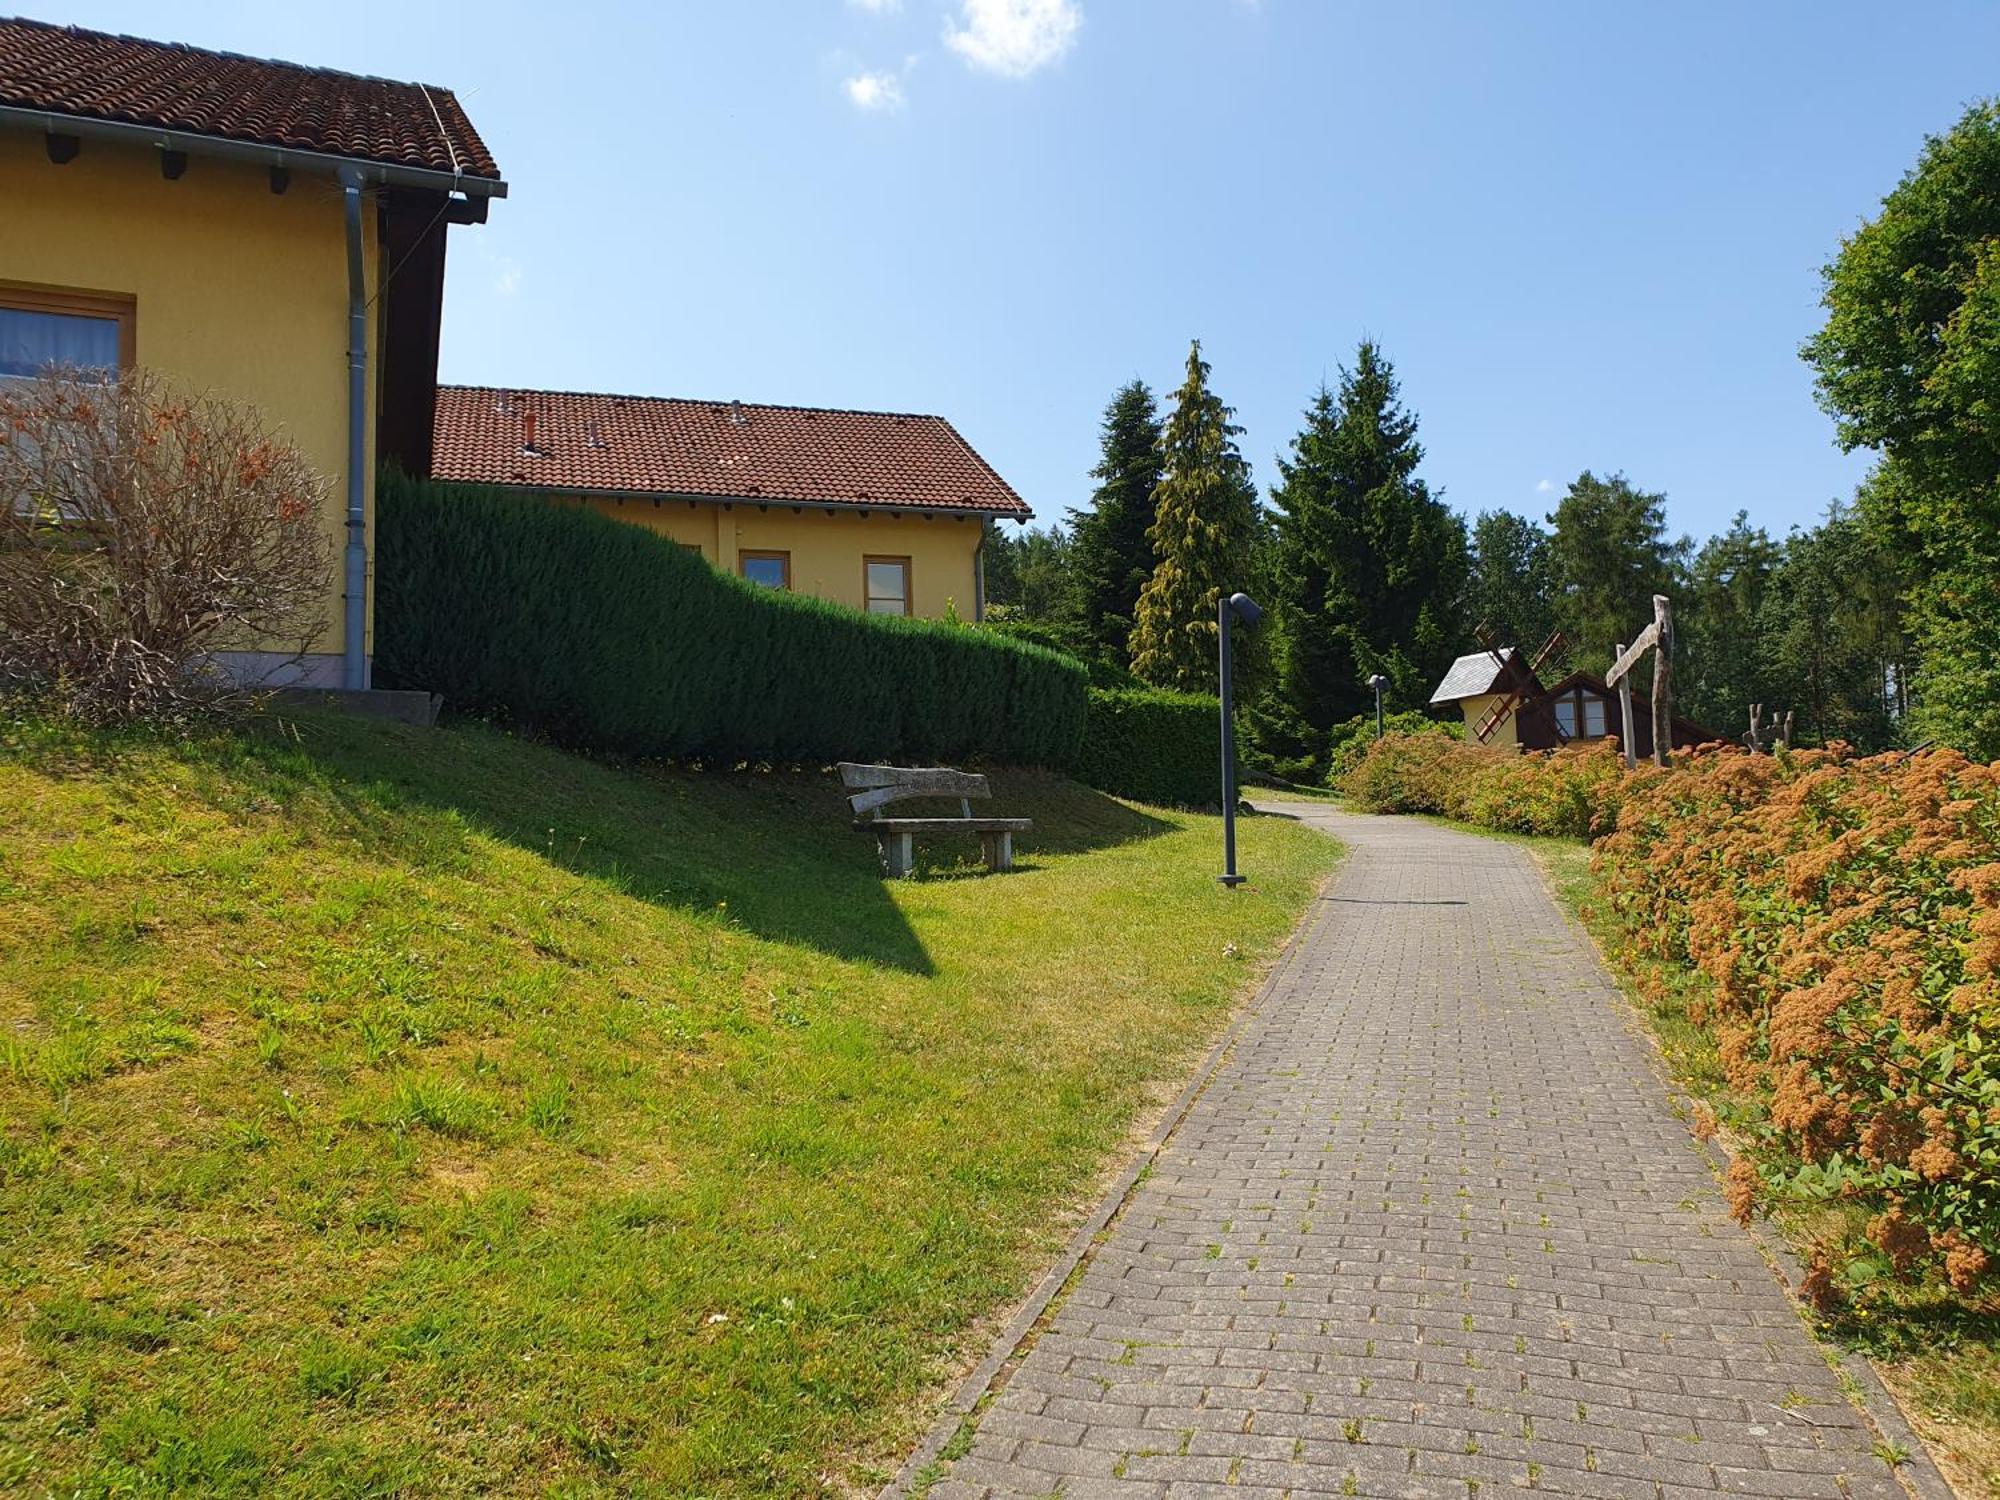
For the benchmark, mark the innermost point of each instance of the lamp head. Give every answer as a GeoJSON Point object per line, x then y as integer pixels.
{"type": "Point", "coordinates": [1378, 682]}
{"type": "Point", "coordinates": [1245, 608]}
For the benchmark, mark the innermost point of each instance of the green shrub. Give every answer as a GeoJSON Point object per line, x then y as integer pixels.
{"type": "Point", "coordinates": [604, 635]}
{"type": "Point", "coordinates": [1153, 746]}
{"type": "Point", "coordinates": [1347, 742]}
{"type": "Point", "coordinates": [1571, 793]}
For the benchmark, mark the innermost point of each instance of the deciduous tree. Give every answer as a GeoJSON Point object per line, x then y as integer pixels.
{"type": "Point", "coordinates": [1909, 364]}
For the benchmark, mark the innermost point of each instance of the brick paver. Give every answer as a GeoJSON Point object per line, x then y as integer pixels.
{"type": "Point", "coordinates": [1432, 1230]}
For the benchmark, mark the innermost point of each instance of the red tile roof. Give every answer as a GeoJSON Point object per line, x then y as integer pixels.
{"type": "Point", "coordinates": [66, 70]}
{"type": "Point", "coordinates": [652, 445]}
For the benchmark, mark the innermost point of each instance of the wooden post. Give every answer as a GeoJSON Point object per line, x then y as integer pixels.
{"type": "Point", "coordinates": [1663, 680]}
{"type": "Point", "coordinates": [1625, 714]}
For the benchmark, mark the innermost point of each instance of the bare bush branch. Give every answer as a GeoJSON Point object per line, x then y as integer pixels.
{"type": "Point", "coordinates": [142, 529]}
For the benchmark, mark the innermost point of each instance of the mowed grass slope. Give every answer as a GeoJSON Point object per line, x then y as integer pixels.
{"type": "Point", "coordinates": [384, 1110]}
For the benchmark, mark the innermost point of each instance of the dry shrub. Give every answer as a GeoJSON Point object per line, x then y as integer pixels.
{"type": "Point", "coordinates": [1847, 911]}
{"type": "Point", "coordinates": [141, 530]}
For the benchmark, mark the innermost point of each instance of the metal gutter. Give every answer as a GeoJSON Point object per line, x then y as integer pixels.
{"type": "Point", "coordinates": [389, 174]}
{"type": "Point", "coordinates": [354, 664]}
{"type": "Point", "coordinates": [763, 502]}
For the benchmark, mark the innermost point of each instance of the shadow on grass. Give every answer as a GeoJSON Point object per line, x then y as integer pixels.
{"type": "Point", "coordinates": [775, 850]}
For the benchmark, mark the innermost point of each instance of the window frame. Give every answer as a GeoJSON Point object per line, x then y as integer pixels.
{"type": "Point", "coordinates": [868, 560]}
{"type": "Point", "coordinates": [764, 554]}
{"type": "Point", "coordinates": [1563, 709]}
{"type": "Point", "coordinates": [112, 307]}
{"type": "Point", "coordinates": [1586, 701]}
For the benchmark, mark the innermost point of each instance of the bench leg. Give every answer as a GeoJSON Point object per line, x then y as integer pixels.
{"type": "Point", "coordinates": [897, 853]}
{"type": "Point", "coordinates": [999, 850]}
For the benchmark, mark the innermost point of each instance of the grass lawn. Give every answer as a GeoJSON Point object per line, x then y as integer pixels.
{"type": "Point", "coordinates": [1940, 1357]}
{"type": "Point", "coordinates": [384, 1109]}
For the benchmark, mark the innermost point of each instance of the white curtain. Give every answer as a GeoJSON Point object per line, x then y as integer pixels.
{"type": "Point", "coordinates": [30, 342]}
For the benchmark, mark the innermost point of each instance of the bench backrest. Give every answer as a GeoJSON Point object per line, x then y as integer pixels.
{"type": "Point", "coordinates": [881, 785]}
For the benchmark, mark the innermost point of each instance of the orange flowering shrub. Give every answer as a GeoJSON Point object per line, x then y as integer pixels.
{"type": "Point", "coordinates": [1847, 912]}
{"type": "Point", "coordinates": [1570, 793]}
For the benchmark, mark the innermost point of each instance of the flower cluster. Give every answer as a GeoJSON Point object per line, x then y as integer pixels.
{"type": "Point", "coordinates": [1847, 912]}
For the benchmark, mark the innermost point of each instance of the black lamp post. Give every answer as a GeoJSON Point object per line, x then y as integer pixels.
{"type": "Point", "coordinates": [1233, 607]}
{"type": "Point", "coordinates": [1378, 682]}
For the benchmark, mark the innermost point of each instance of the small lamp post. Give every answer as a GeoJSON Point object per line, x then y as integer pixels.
{"type": "Point", "coordinates": [1233, 607]}
{"type": "Point", "coordinates": [1378, 682]}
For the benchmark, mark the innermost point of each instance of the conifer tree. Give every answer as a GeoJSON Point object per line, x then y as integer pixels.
{"type": "Point", "coordinates": [1204, 528]}
{"type": "Point", "coordinates": [1371, 566]}
{"type": "Point", "coordinates": [1111, 554]}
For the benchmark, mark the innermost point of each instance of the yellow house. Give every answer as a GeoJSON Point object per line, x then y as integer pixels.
{"type": "Point", "coordinates": [881, 511]}
{"type": "Point", "coordinates": [230, 222]}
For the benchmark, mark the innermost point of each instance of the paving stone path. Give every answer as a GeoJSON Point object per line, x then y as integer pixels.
{"type": "Point", "coordinates": [1431, 1230]}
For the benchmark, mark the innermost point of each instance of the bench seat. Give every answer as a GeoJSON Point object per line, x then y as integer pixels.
{"type": "Point", "coordinates": [877, 785]}
{"type": "Point", "coordinates": [943, 825]}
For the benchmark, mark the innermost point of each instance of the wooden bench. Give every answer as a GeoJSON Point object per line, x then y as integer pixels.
{"type": "Point", "coordinates": [877, 786]}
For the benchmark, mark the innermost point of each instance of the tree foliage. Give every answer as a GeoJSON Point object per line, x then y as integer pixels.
{"type": "Point", "coordinates": [1512, 585]}
{"type": "Point", "coordinates": [1909, 363]}
{"type": "Point", "coordinates": [1111, 551]}
{"type": "Point", "coordinates": [1204, 529]}
{"type": "Point", "coordinates": [1609, 555]}
{"type": "Point", "coordinates": [1370, 567]}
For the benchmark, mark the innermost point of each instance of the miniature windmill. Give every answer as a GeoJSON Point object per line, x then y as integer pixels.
{"type": "Point", "coordinates": [1522, 694]}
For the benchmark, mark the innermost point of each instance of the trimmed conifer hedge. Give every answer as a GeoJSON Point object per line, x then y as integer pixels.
{"type": "Point", "coordinates": [607, 636]}
{"type": "Point", "coordinates": [1153, 746]}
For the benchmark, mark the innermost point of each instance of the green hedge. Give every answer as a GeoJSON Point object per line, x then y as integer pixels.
{"type": "Point", "coordinates": [604, 635]}
{"type": "Point", "coordinates": [1153, 746]}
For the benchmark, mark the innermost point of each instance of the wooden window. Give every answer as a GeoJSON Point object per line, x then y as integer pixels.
{"type": "Point", "coordinates": [1593, 716]}
{"type": "Point", "coordinates": [41, 327]}
{"type": "Point", "coordinates": [771, 570]}
{"type": "Point", "coordinates": [1566, 715]}
{"type": "Point", "coordinates": [886, 585]}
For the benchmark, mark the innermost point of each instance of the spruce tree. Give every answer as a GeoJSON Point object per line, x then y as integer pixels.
{"type": "Point", "coordinates": [1111, 554]}
{"type": "Point", "coordinates": [1371, 566]}
{"type": "Point", "coordinates": [1610, 554]}
{"type": "Point", "coordinates": [1204, 528]}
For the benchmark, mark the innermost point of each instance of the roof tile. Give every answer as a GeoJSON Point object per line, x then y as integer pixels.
{"type": "Point", "coordinates": [67, 70]}
{"type": "Point", "coordinates": [714, 449]}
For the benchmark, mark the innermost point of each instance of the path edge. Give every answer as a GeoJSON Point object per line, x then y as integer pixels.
{"type": "Point", "coordinates": [1918, 1473]}
{"type": "Point", "coordinates": [973, 1388]}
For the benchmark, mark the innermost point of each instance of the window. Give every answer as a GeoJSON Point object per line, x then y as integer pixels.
{"type": "Point", "coordinates": [888, 585]}
{"type": "Point", "coordinates": [1593, 716]}
{"type": "Point", "coordinates": [1566, 715]}
{"type": "Point", "coordinates": [41, 328]}
{"type": "Point", "coordinates": [771, 570]}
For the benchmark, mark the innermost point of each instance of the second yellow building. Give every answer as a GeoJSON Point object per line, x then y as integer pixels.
{"type": "Point", "coordinates": [881, 511]}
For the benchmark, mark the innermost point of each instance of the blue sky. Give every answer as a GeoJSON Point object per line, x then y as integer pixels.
{"type": "Point", "coordinates": [1588, 234]}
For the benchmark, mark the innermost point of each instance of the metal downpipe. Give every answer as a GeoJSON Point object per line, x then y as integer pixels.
{"type": "Point", "coordinates": [354, 664]}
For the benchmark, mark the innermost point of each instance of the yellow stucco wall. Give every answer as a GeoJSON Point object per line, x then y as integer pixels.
{"type": "Point", "coordinates": [1505, 736]}
{"type": "Point", "coordinates": [826, 550]}
{"type": "Point", "coordinates": [239, 291]}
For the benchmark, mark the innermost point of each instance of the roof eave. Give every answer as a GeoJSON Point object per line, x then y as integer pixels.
{"type": "Point", "coordinates": [788, 502]}
{"type": "Point", "coordinates": [228, 148]}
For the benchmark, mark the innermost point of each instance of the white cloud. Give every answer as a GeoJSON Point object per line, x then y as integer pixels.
{"type": "Point", "coordinates": [1014, 37]}
{"type": "Point", "coordinates": [877, 7]}
{"type": "Point", "coordinates": [874, 91]}
{"type": "Point", "coordinates": [1546, 487]}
